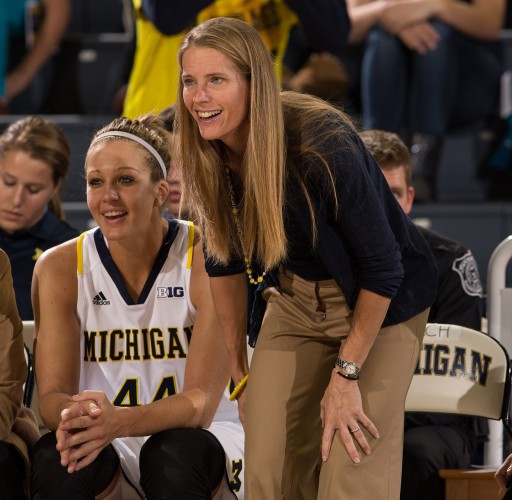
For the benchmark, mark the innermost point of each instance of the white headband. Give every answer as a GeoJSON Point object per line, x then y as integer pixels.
{"type": "Point", "coordinates": [142, 142]}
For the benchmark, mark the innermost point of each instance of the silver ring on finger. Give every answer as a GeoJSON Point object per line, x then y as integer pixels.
{"type": "Point", "coordinates": [354, 430]}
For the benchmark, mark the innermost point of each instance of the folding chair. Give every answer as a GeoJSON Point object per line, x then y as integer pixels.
{"type": "Point", "coordinates": [30, 396]}
{"type": "Point", "coordinates": [467, 372]}
{"type": "Point", "coordinates": [461, 371]}
{"type": "Point", "coordinates": [28, 339]}
{"type": "Point", "coordinates": [28, 387]}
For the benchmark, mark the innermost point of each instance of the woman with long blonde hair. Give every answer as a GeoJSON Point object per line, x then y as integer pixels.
{"type": "Point", "coordinates": [290, 201]}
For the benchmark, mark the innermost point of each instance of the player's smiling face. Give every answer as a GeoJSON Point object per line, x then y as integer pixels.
{"type": "Point", "coordinates": [216, 95]}
{"type": "Point", "coordinates": [120, 193]}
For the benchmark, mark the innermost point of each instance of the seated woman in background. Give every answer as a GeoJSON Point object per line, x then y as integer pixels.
{"type": "Point", "coordinates": [18, 426]}
{"type": "Point", "coordinates": [130, 370]}
{"type": "Point", "coordinates": [429, 67]}
{"type": "Point", "coordinates": [30, 35]}
{"type": "Point", "coordinates": [34, 160]}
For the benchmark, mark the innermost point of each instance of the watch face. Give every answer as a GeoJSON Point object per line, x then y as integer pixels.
{"type": "Point", "coordinates": [350, 368]}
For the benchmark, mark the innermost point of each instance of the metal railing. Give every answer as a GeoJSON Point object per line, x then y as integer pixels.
{"type": "Point", "coordinates": [499, 315]}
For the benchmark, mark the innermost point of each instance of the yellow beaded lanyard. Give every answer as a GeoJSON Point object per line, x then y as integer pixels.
{"type": "Point", "coordinates": [234, 209]}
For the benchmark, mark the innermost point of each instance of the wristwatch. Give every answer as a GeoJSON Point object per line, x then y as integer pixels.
{"type": "Point", "coordinates": [347, 369]}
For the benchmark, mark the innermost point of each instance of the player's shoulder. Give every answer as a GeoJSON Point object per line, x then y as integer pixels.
{"type": "Point", "coordinates": [58, 259]}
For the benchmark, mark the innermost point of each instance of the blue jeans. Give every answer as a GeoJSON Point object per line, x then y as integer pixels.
{"type": "Point", "coordinates": [403, 91]}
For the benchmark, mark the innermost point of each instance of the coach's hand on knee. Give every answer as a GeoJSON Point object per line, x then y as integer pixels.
{"type": "Point", "coordinates": [341, 409]}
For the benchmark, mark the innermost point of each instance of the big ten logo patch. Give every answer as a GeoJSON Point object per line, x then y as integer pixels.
{"type": "Point", "coordinates": [170, 292]}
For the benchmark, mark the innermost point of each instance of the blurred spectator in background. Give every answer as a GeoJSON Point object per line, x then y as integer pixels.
{"type": "Point", "coordinates": [30, 33]}
{"type": "Point", "coordinates": [322, 75]}
{"type": "Point", "coordinates": [174, 204]}
{"type": "Point", "coordinates": [335, 75]}
{"type": "Point", "coordinates": [429, 66]}
{"type": "Point", "coordinates": [434, 441]}
{"type": "Point", "coordinates": [160, 27]}
{"type": "Point", "coordinates": [34, 160]}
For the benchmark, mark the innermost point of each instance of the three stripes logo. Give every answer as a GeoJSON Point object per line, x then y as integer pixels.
{"type": "Point", "coordinates": [100, 300]}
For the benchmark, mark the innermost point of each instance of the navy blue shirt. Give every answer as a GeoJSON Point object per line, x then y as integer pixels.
{"type": "Point", "coordinates": [369, 242]}
{"type": "Point", "coordinates": [366, 242]}
{"type": "Point", "coordinates": [25, 247]}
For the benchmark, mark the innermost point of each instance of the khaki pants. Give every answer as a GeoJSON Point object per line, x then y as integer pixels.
{"type": "Point", "coordinates": [290, 370]}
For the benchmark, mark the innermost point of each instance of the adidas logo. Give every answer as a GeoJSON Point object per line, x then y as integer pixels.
{"type": "Point", "coordinates": [100, 300]}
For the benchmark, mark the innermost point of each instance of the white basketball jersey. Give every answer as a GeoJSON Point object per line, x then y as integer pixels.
{"type": "Point", "coordinates": [136, 352]}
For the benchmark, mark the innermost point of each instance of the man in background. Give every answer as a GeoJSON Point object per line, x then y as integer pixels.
{"type": "Point", "coordinates": [434, 441]}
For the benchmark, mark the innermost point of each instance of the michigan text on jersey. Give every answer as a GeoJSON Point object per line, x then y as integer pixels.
{"type": "Point", "coordinates": [135, 344]}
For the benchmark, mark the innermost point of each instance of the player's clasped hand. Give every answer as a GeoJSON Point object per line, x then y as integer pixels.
{"type": "Point", "coordinates": [341, 409]}
{"type": "Point", "coordinates": [81, 434]}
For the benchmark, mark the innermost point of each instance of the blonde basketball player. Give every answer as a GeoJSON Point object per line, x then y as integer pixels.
{"type": "Point", "coordinates": [131, 373]}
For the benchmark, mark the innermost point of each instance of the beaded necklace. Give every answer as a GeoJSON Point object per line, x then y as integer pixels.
{"type": "Point", "coordinates": [252, 280]}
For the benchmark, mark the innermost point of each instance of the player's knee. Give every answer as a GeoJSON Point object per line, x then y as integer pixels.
{"type": "Point", "coordinates": [181, 460]}
{"type": "Point", "coordinates": [174, 446]}
{"type": "Point", "coordinates": [44, 451]}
